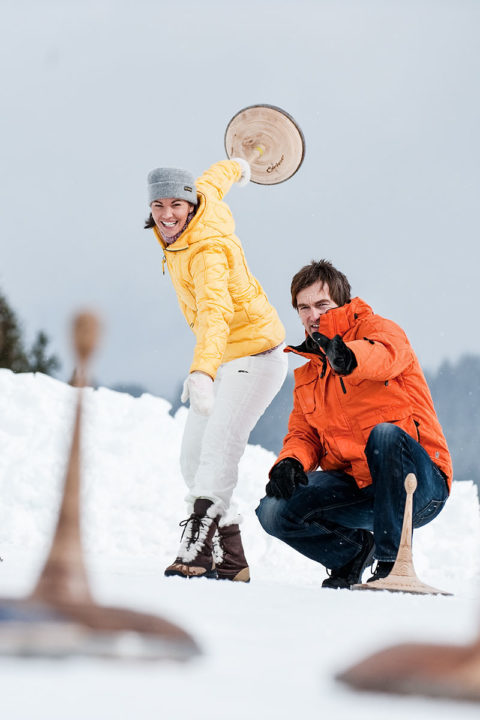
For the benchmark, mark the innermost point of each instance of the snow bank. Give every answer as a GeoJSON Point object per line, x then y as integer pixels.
{"type": "Point", "coordinates": [271, 648]}
{"type": "Point", "coordinates": [133, 491]}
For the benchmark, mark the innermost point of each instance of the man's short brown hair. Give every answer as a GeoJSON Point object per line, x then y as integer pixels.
{"type": "Point", "coordinates": [324, 272]}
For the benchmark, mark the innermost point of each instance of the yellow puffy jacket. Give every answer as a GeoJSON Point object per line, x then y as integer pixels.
{"type": "Point", "coordinates": [222, 301]}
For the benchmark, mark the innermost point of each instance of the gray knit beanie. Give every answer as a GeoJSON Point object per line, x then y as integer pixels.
{"type": "Point", "coordinates": [171, 183]}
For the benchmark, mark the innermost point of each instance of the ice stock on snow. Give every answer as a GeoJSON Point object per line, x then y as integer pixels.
{"type": "Point", "coordinates": [280, 638]}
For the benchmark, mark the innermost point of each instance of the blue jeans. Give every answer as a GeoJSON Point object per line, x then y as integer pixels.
{"type": "Point", "coordinates": [322, 520]}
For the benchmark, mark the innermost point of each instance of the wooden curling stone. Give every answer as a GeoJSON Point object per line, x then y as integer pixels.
{"type": "Point", "coordinates": [446, 671]}
{"type": "Point", "coordinates": [403, 577]}
{"type": "Point", "coordinates": [269, 139]}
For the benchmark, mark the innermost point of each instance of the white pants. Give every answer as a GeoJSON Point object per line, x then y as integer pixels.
{"type": "Point", "coordinates": [213, 446]}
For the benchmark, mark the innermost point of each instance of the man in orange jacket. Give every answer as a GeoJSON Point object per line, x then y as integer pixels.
{"type": "Point", "coordinates": [362, 413]}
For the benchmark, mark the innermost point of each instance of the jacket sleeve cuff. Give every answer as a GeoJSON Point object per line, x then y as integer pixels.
{"type": "Point", "coordinates": [246, 171]}
{"type": "Point", "coordinates": [309, 461]}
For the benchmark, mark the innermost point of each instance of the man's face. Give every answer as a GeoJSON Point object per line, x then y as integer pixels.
{"type": "Point", "coordinates": [312, 302]}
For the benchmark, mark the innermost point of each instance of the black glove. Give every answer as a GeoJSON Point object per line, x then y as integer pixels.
{"type": "Point", "coordinates": [284, 478]}
{"type": "Point", "coordinates": [342, 360]}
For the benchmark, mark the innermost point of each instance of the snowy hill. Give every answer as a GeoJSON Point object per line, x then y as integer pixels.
{"type": "Point", "coordinates": [271, 647]}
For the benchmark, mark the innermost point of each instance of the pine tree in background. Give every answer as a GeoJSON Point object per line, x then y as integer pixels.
{"type": "Point", "coordinates": [12, 350]}
{"type": "Point", "coordinates": [38, 359]}
{"type": "Point", "coordinates": [456, 393]}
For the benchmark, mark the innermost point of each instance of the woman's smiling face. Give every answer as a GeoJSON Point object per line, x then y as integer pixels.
{"type": "Point", "coordinates": [170, 215]}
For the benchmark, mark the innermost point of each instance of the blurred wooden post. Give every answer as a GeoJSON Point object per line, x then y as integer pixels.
{"type": "Point", "coordinates": [64, 576]}
{"type": "Point", "coordinates": [60, 617]}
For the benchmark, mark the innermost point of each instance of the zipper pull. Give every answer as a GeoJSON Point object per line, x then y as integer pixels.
{"type": "Point", "coordinates": [164, 260]}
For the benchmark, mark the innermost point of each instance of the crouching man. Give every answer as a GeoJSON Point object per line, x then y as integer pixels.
{"type": "Point", "coordinates": [362, 419]}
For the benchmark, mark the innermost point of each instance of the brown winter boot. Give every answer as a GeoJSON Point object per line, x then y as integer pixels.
{"type": "Point", "coordinates": [229, 556]}
{"type": "Point", "coordinates": [195, 558]}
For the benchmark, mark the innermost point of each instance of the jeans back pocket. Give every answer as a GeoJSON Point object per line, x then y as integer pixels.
{"type": "Point", "coordinates": [428, 513]}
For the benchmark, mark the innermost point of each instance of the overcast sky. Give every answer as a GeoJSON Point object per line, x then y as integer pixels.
{"type": "Point", "coordinates": [96, 93]}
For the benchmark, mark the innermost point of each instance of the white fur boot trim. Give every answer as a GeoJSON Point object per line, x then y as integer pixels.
{"type": "Point", "coordinates": [217, 549]}
{"type": "Point", "coordinates": [230, 518]}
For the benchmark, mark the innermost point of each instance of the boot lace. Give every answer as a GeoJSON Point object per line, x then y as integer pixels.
{"type": "Point", "coordinates": [193, 524]}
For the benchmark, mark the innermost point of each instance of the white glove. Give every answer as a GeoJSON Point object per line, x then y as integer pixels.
{"type": "Point", "coordinates": [246, 172]}
{"type": "Point", "coordinates": [199, 388]}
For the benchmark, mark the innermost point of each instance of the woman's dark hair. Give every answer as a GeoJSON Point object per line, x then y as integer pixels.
{"type": "Point", "coordinates": [149, 223]}
{"type": "Point", "coordinates": [324, 272]}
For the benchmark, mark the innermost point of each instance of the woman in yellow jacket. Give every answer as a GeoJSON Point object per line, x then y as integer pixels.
{"type": "Point", "coordinates": [238, 364]}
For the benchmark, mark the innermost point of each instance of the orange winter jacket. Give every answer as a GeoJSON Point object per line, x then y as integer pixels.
{"type": "Point", "coordinates": [332, 416]}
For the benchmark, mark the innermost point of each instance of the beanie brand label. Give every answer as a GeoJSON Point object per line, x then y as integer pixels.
{"type": "Point", "coordinates": [187, 188]}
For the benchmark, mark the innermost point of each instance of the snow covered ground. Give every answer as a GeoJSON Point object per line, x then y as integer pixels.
{"type": "Point", "coordinates": [270, 648]}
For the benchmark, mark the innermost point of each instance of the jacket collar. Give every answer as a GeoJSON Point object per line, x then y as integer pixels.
{"type": "Point", "coordinates": [334, 322]}
{"type": "Point", "coordinates": [186, 238]}
{"type": "Point", "coordinates": [339, 320]}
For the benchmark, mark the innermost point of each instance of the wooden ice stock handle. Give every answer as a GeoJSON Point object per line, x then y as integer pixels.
{"type": "Point", "coordinates": [86, 329]}
{"type": "Point", "coordinates": [410, 483]}
{"type": "Point", "coordinates": [406, 536]}
{"type": "Point", "coordinates": [410, 487]}
{"type": "Point", "coordinates": [254, 153]}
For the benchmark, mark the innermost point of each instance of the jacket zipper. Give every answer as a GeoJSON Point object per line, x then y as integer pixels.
{"type": "Point", "coordinates": [417, 425]}
{"type": "Point", "coordinates": [343, 386]}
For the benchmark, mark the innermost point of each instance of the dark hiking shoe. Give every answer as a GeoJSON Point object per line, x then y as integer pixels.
{"type": "Point", "coordinates": [382, 569]}
{"type": "Point", "coordinates": [351, 573]}
{"type": "Point", "coordinates": [195, 557]}
{"type": "Point", "coordinates": [229, 556]}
